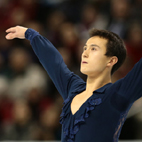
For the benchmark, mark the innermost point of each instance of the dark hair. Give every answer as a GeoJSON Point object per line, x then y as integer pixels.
{"type": "Point", "coordinates": [115, 46]}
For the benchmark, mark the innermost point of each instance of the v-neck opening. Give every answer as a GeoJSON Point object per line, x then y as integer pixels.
{"type": "Point", "coordinates": [103, 87]}
{"type": "Point", "coordinates": [79, 107]}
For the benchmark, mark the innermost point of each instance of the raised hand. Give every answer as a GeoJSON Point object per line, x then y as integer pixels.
{"type": "Point", "coordinates": [16, 32]}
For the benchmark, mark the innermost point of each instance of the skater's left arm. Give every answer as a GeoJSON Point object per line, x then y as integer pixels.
{"type": "Point", "coordinates": [130, 87]}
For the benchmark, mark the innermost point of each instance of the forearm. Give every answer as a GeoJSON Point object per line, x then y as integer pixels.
{"type": "Point", "coordinates": [48, 55]}
{"type": "Point", "coordinates": [51, 60]}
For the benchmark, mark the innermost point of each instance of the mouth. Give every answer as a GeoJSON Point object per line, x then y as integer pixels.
{"type": "Point", "coordinates": [84, 62]}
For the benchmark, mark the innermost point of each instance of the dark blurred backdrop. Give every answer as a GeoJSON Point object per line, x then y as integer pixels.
{"type": "Point", "coordinates": [30, 105]}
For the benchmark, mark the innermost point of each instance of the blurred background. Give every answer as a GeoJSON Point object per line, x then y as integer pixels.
{"type": "Point", "coordinates": [30, 105]}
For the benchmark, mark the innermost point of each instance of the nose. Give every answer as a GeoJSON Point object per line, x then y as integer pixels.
{"type": "Point", "coordinates": [85, 53]}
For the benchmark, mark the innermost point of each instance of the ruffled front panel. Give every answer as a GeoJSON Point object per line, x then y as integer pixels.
{"type": "Point", "coordinates": [71, 123]}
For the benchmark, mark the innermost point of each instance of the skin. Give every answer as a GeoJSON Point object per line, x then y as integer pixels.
{"type": "Point", "coordinates": [16, 32]}
{"type": "Point", "coordinates": [94, 64]}
{"type": "Point", "coordinates": [98, 67]}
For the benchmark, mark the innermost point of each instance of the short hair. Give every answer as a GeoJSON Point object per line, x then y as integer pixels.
{"type": "Point", "coordinates": [115, 46]}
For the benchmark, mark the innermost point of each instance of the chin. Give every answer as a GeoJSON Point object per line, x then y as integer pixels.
{"type": "Point", "coordinates": [83, 72]}
{"type": "Point", "coordinates": [89, 73]}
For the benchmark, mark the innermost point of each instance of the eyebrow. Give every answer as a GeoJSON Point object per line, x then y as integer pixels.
{"type": "Point", "coordinates": [93, 45]}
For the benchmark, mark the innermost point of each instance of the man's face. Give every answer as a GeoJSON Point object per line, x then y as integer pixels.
{"type": "Point", "coordinates": [94, 61]}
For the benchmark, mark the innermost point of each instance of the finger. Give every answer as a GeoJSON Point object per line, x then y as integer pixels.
{"type": "Point", "coordinates": [10, 36]}
{"type": "Point", "coordinates": [12, 30]}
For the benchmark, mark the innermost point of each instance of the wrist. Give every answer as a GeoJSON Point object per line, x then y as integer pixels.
{"type": "Point", "coordinates": [30, 34]}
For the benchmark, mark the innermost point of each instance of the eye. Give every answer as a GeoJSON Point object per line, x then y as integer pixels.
{"type": "Point", "coordinates": [84, 48]}
{"type": "Point", "coordinates": [93, 48]}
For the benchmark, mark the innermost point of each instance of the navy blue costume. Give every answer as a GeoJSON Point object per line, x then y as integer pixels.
{"type": "Point", "coordinates": [101, 117]}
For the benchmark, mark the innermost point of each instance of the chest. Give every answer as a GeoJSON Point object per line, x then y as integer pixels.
{"type": "Point", "coordinates": [78, 101]}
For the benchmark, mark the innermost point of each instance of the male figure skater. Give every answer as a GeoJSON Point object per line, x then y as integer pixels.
{"type": "Point", "coordinates": [95, 110]}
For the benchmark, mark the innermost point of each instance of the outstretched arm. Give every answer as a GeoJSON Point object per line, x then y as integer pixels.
{"type": "Point", "coordinates": [64, 80]}
{"type": "Point", "coordinates": [131, 84]}
{"type": "Point", "coordinates": [128, 89]}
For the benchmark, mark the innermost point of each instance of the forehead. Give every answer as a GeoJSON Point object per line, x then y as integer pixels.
{"type": "Point", "coordinates": [97, 40]}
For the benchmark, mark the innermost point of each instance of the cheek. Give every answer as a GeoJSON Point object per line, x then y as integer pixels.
{"type": "Point", "coordinates": [98, 61]}
{"type": "Point", "coordinates": [96, 58]}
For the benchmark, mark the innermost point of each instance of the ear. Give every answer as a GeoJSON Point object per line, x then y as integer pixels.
{"type": "Point", "coordinates": [112, 61]}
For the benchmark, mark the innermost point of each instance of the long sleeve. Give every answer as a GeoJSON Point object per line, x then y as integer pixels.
{"type": "Point", "coordinates": [130, 87]}
{"type": "Point", "coordinates": [64, 80]}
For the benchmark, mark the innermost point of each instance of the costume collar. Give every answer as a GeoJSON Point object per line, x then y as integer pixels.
{"type": "Point", "coordinates": [103, 88]}
{"type": "Point", "coordinates": [82, 87]}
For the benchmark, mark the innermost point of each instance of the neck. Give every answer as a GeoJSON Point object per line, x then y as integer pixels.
{"type": "Point", "coordinates": [94, 83]}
